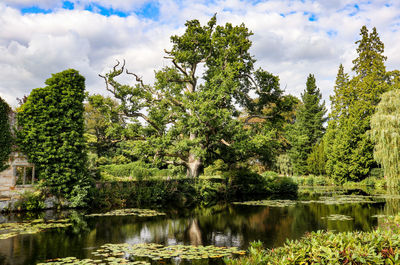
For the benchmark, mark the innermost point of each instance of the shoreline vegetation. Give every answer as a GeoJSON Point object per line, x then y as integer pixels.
{"type": "Point", "coordinates": [208, 130]}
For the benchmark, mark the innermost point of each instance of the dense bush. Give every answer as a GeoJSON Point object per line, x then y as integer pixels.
{"type": "Point", "coordinates": [282, 186]}
{"type": "Point", "coordinates": [235, 185]}
{"type": "Point", "coordinates": [243, 183]}
{"type": "Point", "coordinates": [134, 171]}
{"type": "Point", "coordinates": [312, 180]}
{"type": "Point", "coordinates": [51, 133]}
{"type": "Point", "coordinates": [5, 134]}
{"type": "Point", "coordinates": [31, 201]}
{"type": "Point", "coordinates": [376, 247]}
{"type": "Point", "coordinates": [143, 193]}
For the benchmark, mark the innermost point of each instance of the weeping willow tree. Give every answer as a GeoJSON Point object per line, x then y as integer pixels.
{"type": "Point", "coordinates": [385, 132]}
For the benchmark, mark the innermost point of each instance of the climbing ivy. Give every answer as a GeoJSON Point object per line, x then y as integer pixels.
{"type": "Point", "coordinates": [5, 134]}
{"type": "Point", "coordinates": [51, 133]}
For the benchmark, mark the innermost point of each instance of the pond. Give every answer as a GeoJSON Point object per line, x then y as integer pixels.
{"type": "Point", "coordinates": [228, 225]}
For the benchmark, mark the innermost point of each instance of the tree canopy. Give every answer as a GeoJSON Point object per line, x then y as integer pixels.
{"type": "Point", "coordinates": [51, 132]}
{"type": "Point", "coordinates": [308, 128]}
{"type": "Point", "coordinates": [385, 131]}
{"type": "Point", "coordinates": [349, 150]}
{"type": "Point", "coordinates": [190, 115]}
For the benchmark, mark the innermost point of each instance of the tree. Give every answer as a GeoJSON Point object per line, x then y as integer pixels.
{"type": "Point", "coordinates": [385, 132]}
{"type": "Point", "coordinates": [5, 134]}
{"type": "Point", "coordinates": [308, 128]}
{"type": "Point", "coordinates": [317, 159]}
{"type": "Point", "coordinates": [191, 120]}
{"type": "Point", "coordinates": [339, 108]}
{"type": "Point", "coordinates": [350, 150]}
{"type": "Point", "coordinates": [51, 132]}
{"type": "Point", "coordinates": [105, 127]}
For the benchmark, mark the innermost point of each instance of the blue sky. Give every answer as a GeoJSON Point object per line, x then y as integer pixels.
{"type": "Point", "coordinates": [149, 10]}
{"type": "Point", "coordinates": [292, 38]}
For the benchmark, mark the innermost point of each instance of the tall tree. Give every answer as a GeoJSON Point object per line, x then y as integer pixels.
{"type": "Point", "coordinates": [191, 120]}
{"type": "Point", "coordinates": [5, 134]}
{"type": "Point", "coordinates": [308, 128]}
{"type": "Point", "coordinates": [339, 108]}
{"type": "Point", "coordinates": [105, 127]}
{"type": "Point", "coordinates": [350, 150]}
{"type": "Point", "coordinates": [51, 132]}
{"type": "Point", "coordinates": [385, 132]}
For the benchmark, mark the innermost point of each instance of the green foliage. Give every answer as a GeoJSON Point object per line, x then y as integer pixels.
{"type": "Point", "coordinates": [216, 169]}
{"type": "Point", "coordinates": [269, 174]}
{"type": "Point", "coordinates": [284, 165]}
{"type": "Point", "coordinates": [104, 125]}
{"type": "Point", "coordinates": [190, 115]}
{"type": "Point", "coordinates": [234, 185]}
{"type": "Point", "coordinates": [244, 183]}
{"type": "Point", "coordinates": [317, 159]}
{"type": "Point", "coordinates": [385, 132]}
{"type": "Point", "coordinates": [51, 132]}
{"type": "Point", "coordinates": [312, 180]}
{"type": "Point", "coordinates": [31, 201]}
{"type": "Point", "coordinates": [5, 134]}
{"type": "Point", "coordinates": [376, 247]}
{"type": "Point", "coordinates": [349, 149]}
{"type": "Point", "coordinates": [308, 127]}
{"type": "Point", "coordinates": [143, 193]}
{"type": "Point", "coordinates": [135, 171]}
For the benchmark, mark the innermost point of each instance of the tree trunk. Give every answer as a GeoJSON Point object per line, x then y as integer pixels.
{"type": "Point", "coordinates": [194, 163]}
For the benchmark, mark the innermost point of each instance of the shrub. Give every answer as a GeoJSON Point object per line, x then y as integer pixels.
{"type": "Point", "coordinates": [243, 183]}
{"type": "Point", "coordinates": [31, 201]}
{"type": "Point", "coordinates": [283, 186]}
{"type": "Point", "coordinates": [268, 174]}
{"type": "Point", "coordinates": [376, 247]}
{"type": "Point", "coordinates": [120, 159]}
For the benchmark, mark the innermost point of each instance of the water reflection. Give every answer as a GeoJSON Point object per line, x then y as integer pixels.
{"type": "Point", "coordinates": [220, 225]}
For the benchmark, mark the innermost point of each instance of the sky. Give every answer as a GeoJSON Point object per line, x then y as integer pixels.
{"type": "Point", "coordinates": [292, 38]}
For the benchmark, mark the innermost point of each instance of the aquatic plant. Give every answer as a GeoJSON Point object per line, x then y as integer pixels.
{"type": "Point", "coordinates": [129, 212]}
{"type": "Point", "coordinates": [8, 230]}
{"type": "Point", "coordinates": [156, 252]}
{"type": "Point", "coordinates": [271, 203]}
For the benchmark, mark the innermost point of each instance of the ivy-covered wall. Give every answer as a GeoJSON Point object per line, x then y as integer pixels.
{"type": "Point", "coordinates": [51, 128]}
{"type": "Point", "coordinates": [5, 134]}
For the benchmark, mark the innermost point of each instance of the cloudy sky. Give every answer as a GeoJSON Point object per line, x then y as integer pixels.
{"type": "Point", "coordinates": [292, 38]}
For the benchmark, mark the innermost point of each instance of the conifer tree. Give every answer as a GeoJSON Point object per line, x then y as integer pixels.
{"type": "Point", "coordinates": [308, 128]}
{"type": "Point", "coordinates": [349, 150]}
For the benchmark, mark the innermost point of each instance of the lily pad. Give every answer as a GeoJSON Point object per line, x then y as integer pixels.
{"type": "Point", "coordinates": [157, 252]}
{"type": "Point", "coordinates": [271, 203]}
{"type": "Point", "coordinates": [338, 217]}
{"type": "Point", "coordinates": [130, 212]}
{"type": "Point", "coordinates": [8, 230]}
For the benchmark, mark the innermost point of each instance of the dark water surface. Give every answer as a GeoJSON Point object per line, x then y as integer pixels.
{"type": "Point", "coordinates": [219, 225]}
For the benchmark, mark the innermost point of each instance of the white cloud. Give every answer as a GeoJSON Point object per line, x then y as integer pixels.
{"type": "Point", "coordinates": [285, 41]}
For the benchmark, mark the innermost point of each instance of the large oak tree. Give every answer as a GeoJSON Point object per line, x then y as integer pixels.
{"type": "Point", "coordinates": [190, 115]}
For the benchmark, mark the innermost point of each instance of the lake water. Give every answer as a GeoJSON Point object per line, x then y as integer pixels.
{"type": "Point", "coordinates": [219, 225]}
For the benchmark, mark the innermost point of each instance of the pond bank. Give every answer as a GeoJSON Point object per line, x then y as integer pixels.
{"type": "Point", "coordinates": [162, 192]}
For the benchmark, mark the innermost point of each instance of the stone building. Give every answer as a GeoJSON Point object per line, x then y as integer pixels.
{"type": "Point", "coordinates": [19, 175]}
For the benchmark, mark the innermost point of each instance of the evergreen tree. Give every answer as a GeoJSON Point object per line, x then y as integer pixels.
{"type": "Point", "coordinates": [308, 128]}
{"type": "Point", "coordinates": [339, 108]}
{"type": "Point", "coordinates": [349, 150]}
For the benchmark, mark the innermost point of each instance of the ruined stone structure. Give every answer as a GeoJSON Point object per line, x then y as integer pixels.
{"type": "Point", "coordinates": [19, 175]}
